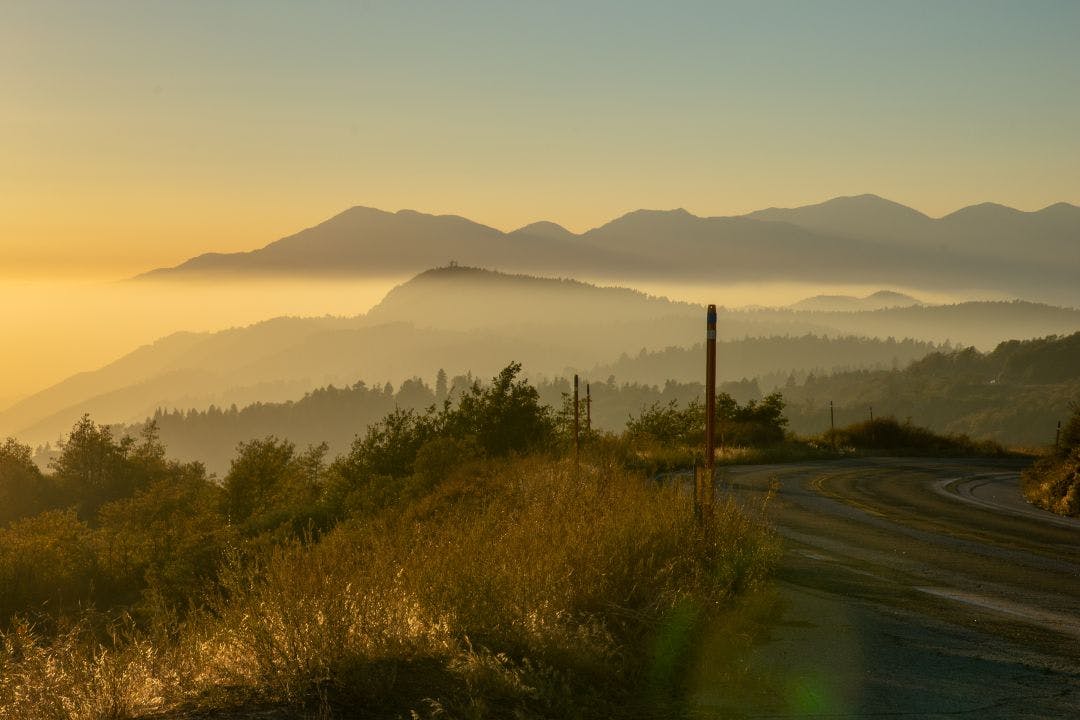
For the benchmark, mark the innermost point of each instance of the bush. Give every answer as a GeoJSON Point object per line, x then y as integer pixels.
{"type": "Point", "coordinates": [164, 544]}
{"type": "Point", "coordinates": [755, 423]}
{"type": "Point", "coordinates": [47, 564]}
{"type": "Point", "coordinates": [1053, 482]}
{"type": "Point", "coordinates": [407, 447]}
{"type": "Point", "coordinates": [889, 435]}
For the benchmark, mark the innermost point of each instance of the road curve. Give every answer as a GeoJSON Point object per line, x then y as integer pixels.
{"type": "Point", "coordinates": [907, 588]}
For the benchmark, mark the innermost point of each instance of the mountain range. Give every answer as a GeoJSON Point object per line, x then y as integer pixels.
{"type": "Point", "coordinates": [985, 248]}
{"type": "Point", "coordinates": [466, 319]}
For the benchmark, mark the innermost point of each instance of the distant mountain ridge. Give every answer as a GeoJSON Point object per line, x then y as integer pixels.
{"type": "Point", "coordinates": [1049, 235]}
{"type": "Point", "coordinates": [840, 303]}
{"type": "Point", "coordinates": [985, 247]}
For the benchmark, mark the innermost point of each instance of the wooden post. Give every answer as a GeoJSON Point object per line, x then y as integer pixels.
{"type": "Point", "coordinates": [871, 414]}
{"type": "Point", "coordinates": [588, 410]}
{"type": "Point", "coordinates": [706, 483]}
{"type": "Point", "coordinates": [832, 424]}
{"type": "Point", "coordinates": [1057, 436]}
{"type": "Point", "coordinates": [577, 422]}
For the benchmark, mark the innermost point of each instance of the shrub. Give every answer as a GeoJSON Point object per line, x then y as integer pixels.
{"type": "Point", "coordinates": [47, 564]}
{"type": "Point", "coordinates": [1053, 482]}
{"type": "Point", "coordinates": [164, 544]}
{"type": "Point", "coordinates": [755, 423]}
{"type": "Point", "coordinates": [888, 434]}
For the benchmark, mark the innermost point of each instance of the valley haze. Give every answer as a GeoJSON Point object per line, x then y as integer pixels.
{"type": "Point", "coordinates": [345, 266]}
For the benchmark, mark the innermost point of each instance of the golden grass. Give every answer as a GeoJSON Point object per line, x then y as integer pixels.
{"type": "Point", "coordinates": [1053, 483]}
{"type": "Point", "coordinates": [525, 587]}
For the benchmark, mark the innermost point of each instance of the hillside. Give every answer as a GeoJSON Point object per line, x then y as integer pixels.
{"type": "Point", "coordinates": [1016, 393]}
{"type": "Point", "coordinates": [336, 415]}
{"type": "Point", "coordinates": [466, 319]}
{"type": "Point", "coordinates": [464, 298]}
{"type": "Point", "coordinates": [773, 361]}
{"type": "Point", "coordinates": [846, 303]}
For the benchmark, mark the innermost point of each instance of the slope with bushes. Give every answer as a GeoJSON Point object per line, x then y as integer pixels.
{"type": "Point", "coordinates": [1015, 394]}
{"type": "Point", "coordinates": [1053, 482]}
{"type": "Point", "coordinates": [452, 562]}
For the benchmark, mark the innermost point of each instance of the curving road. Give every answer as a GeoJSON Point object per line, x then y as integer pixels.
{"type": "Point", "coordinates": [907, 588]}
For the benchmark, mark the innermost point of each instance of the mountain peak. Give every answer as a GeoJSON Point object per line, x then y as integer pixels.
{"type": "Point", "coordinates": [986, 209]}
{"type": "Point", "coordinates": [861, 204]}
{"type": "Point", "coordinates": [1060, 206]}
{"type": "Point", "coordinates": [651, 217]}
{"type": "Point", "coordinates": [544, 229]}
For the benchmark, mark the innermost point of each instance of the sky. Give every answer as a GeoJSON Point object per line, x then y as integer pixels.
{"type": "Point", "coordinates": [137, 134]}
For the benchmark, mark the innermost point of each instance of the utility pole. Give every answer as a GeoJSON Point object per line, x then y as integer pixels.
{"type": "Point", "coordinates": [705, 484]}
{"type": "Point", "coordinates": [871, 414]}
{"type": "Point", "coordinates": [577, 422]}
{"type": "Point", "coordinates": [832, 424]}
{"type": "Point", "coordinates": [1057, 436]}
{"type": "Point", "coordinates": [588, 410]}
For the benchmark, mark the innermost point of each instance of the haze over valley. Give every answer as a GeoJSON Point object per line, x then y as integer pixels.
{"type": "Point", "coordinates": [345, 265]}
{"type": "Point", "coordinates": [465, 320]}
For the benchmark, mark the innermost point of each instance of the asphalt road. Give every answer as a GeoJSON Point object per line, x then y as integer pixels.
{"type": "Point", "coordinates": [907, 588]}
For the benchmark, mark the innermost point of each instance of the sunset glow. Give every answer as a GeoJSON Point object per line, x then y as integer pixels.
{"type": "Point", "coordinates": [139, 134]}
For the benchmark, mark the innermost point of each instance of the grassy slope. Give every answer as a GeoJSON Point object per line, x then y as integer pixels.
{"type": "Point", "coordinates": [518, 587]}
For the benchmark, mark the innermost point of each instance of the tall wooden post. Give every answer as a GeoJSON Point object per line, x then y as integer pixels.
{"type": "Point", "coordinates": [832, 425]}
{"type": "Point", "coordinates": [706, 483]}
{"type": "Point", "coordinates": [1057, 436]}
{"type": "Point", "coordinates": [588, 410]}
{"type": "Point", "coordinates": [577, 421]}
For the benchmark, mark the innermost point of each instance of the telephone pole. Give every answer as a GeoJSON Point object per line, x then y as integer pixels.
{"type": "Point", "coordinates": [588, 410]}
{"type": "Point", "coordinates": [704, 488]}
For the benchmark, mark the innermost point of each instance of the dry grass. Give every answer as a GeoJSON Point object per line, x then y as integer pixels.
{"type": "Point", "coordinates": [77, 676]}
{"type": "Point", "coordinates": [1053, 483]}
{"type": "Point", "coordinates": [523, 588]}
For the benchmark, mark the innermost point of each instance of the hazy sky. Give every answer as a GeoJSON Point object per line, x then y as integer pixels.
{"type": "Point", "coordinates": [135, 134]}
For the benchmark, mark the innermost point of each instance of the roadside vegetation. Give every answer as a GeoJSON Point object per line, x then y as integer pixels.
{"type": "Point", "coordinates": [456, 561]}
{"type": "Point", "coordinates": [669, 437]}
{"type": "Point", "coordinates": [1053, 482]}
{"type": "Point", "coordinates": [889, 436]}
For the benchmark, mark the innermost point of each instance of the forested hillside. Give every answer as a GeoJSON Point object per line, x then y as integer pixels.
{"type": "Point", "coordinates": [774, 361]}
{"type": "Point", "coordinates": [1016, 394]}
{"type": "Point", "coordinates": [469, 319]}
{"type": "Point", "coordinates": [336, 415]}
